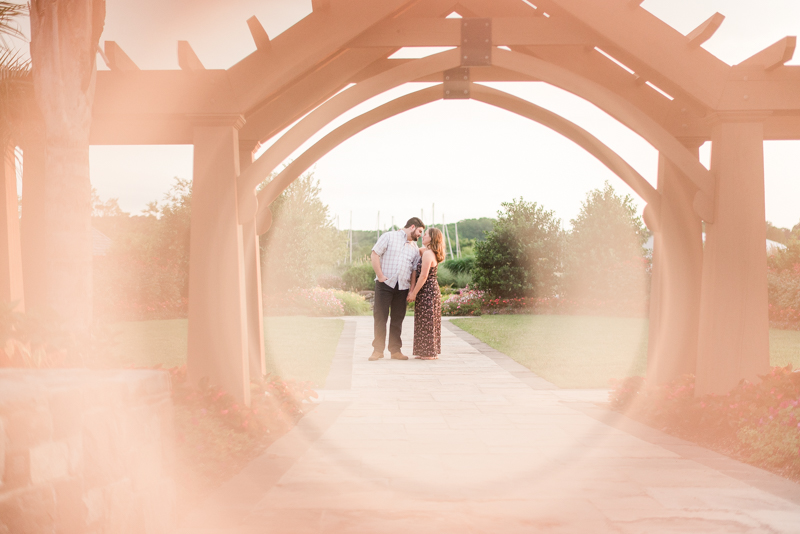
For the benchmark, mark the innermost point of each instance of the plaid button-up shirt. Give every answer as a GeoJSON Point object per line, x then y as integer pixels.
{"type": "Point", "coordinates": [399, 258]}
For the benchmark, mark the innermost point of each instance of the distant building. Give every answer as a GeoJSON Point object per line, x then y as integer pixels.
{"type": "Point", "coordinates": [100, 243]}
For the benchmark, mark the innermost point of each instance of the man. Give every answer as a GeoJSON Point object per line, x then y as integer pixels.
{"type": "Point", "coordinates": [394, 259]}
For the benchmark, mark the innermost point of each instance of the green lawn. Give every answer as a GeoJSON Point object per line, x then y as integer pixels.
{"type": "Point", "coordinates": [296, 347]}
{"type": "Point", "coordinates": [586, 352]}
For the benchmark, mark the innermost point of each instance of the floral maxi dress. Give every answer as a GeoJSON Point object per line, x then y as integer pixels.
{"type": "Point", "coordinates": [428, 316]}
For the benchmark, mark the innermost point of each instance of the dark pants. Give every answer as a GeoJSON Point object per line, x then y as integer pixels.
{"type": "Point", "coordinates": [388, 300]}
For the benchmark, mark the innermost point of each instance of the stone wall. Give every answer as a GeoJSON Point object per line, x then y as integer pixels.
{"type": "Point", "coordinates": [85, 451]}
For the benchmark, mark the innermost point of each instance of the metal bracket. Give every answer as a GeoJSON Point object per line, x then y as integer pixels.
{"type": "Point", "coordinates": [456, 83]}
{"type": "Point", "coordinates": [476, 42]}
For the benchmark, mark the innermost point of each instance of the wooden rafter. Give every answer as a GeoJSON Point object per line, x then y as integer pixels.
{"type": "Point", "coordinates": [187, 59]}
{"type": "Point", "coordinates": [117, 59]}
{"type": "Point", "coordinates": [639, 39]}
{"type": "Point", "coordinates": [276, 85]}
{"type": "Point", "coordinates": [706, 30]}
{"type": "Point", "coordinates": [773, 56]}
{"type": "Point", "coordinates": [590, 64]}
{"type": "Point", "coordinates": [507, 31]}
{"type": "Point", "coordinates": [259, 34]}
{"type": "Point", "coordinates": [289, 105]}
{"type": "Point", "coordinates": [293, 54]}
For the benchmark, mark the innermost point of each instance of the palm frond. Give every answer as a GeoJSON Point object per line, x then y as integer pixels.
{"type": "Point", "coordinates": [8, 12]}
{"type": "Point", "coordinates": [13, 65]}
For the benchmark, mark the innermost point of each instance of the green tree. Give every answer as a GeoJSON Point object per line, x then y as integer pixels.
{"type": "Point", "coordinates": [145, 274]}
{"type": "Point", "coordinates": [605, 258]}
{"type": "Point", "coordinates": [520, 256]}
{"type": "Point", "coordinates": [779, 235]}
{"type": "Point", "coordinates": [302, 241]}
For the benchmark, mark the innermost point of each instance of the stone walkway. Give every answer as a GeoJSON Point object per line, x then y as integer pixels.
{"type": "Point", "coordinates": [475, 443]}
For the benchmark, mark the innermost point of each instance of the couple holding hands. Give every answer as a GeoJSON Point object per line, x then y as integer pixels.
{"type": "Point", "coordinates": [405, 273]}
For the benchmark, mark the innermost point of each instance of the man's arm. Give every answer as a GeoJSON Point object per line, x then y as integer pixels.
{"type": "Point", "coordinates": [376, 266]}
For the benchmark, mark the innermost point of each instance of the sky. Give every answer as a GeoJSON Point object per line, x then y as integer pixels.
{"type": "Point", "coordinates": [459, 158]}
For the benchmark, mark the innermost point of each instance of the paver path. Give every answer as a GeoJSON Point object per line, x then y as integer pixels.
{"type": "Point", "coordinates": [474, 443]}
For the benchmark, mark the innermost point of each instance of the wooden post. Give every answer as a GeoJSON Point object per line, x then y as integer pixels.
{"type": "Point", "coordinates": [734, 327]}
{"type": "Point", "coordinates": [677, 274]}
{"type": "Point", "coordinates": [252, 271]}
{"type": "Point", "coordinates": [33, 232]}
{"type": "Point", "coordinates": [217, 288]}
{"type": "Point", "coordinates": [11, 289]}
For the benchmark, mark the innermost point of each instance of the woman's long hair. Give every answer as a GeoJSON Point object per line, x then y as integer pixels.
{"type": "Point", "coordinates": [436, 244]}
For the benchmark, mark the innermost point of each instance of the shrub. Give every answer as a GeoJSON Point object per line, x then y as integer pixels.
{"type": "Point", "coordinates": [460, 265]}
{"type": "Point", "coordinates": [759, 423]}
{"type": "Point", "coordinates": [448, 278]}
{"type": "Point", "coordinates": [783, 281]}
{"type": "Point", "coordinates": [604, 257]}
{"type": "Point", "coordinates": [520, 256]}
{"type": "Point", "coordinates": [145, 272]}
{"type": "Point", "coordinates": [359, 277]}
{"type": "Point", "coordinates": [330, 281]}
{"type": "Point", "coordinates": [302, 240]}
{"type": "Point", "coordinates": [353, 303]}
{"type": "Point", "coordinates": [44, 341]}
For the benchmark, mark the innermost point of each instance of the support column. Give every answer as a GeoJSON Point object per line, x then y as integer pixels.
{"type": "Point", "coordinates": [252, 273]}
{"type": "Point", "coordinates": [33, 230]}
{"type": "Point", "coordinates": [11, 289]}
{"type": "Point", "coordinates": [217, 302]}
{"type": "Point", "coordinates": [734, 327]}
{"type": "Point", "coordinates": [677, 275]}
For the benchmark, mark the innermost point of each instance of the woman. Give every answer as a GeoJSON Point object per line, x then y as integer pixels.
{"type": "Point", "coordinates": [428, 307]}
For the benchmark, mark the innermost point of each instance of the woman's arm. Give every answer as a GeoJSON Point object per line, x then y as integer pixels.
{"type": "Point", "coordinates": [427, 262]}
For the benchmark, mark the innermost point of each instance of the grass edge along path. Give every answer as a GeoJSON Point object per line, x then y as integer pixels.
{"type": "Point", "coordinates": [296, 347]}
{"type": "Point", "coordinates": [578, 351]}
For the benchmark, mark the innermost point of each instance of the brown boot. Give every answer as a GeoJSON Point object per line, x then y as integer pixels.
{"type": "Point", "coordinates": [376, 356]}
{"type": "Point", "coordinates": [399, 356]}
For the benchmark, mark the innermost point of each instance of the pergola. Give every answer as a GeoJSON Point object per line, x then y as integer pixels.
{"type": "Point", "coordinates": [708, 303]}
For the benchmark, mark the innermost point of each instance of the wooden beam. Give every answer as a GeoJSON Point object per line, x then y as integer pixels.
{"type": "Point", "coordinates": [498, 8]}
{"type": "Point", "coordinates": [117, 59]}
{"type": "Point", "coordinates": [703, 33]}
{"type": "Point", "coordinates": [506, 31]}
{"type": "Point", "coordinates": [773, 56]}
{"type": "Point", "coordinates": [187, 59]}
{"type": "Point", "coordinates": [649, 46]}
{"type": "Point", "coordinates": [618, 108]}
{"type": "Point", "coordinates": [594, 66]}
{"type": "Point", "coordinates": [259, 34]}
{"type": "Point", "coordinates": [301, 132]}
{"type": "Point", "coordinates": [320, 5]}
{"type": "Point", "coordinates": [277, 113]}
{"type": "Point", "coordinates": [574, 133]}
{"type": "Point", "coordinates": [302, 48]}
{"type": "Point", "coordinates": [480, 93]}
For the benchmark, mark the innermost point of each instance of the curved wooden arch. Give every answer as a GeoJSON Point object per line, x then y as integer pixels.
{"type": "Point", "coordinates": [615, 106]}
{"type": "Point", "coordinates": [479, 93]}
{"type": "Point", "coordinates": [301, 132]}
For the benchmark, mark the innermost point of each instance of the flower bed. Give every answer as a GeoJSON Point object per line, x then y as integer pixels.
{"type": "Point", "coordinates": [473, 302]}
{"type": "Point", "coordinates": [756, 423]}
{"type": "Point", "coordinates": [464, 302]}
{"type": "Point", "coordinates": [216, 437]}
{"type": "Point", "coordinates": [784, 318]}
